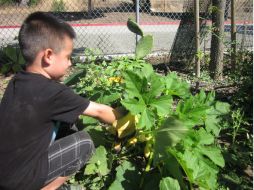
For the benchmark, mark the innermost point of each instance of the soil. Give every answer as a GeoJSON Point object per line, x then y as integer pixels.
{"type": "Point", "coordinates": [3, 84]}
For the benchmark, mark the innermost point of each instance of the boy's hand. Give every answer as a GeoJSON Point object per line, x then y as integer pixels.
{"type": "Point", "coordinates": [123, 126]}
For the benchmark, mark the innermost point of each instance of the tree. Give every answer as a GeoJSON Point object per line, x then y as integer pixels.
{"type": "Point", "coordinates": [217, 46]}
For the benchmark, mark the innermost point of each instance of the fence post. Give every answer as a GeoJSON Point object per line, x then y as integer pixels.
{"type": "Point", "coordinates": [137, 18]}
{"type": "Point", "coordinates": [244, 35]}
{"type": "Point", "coordinates": [233, 36]}
{"type": "Point", "coordinates": [197, 38]}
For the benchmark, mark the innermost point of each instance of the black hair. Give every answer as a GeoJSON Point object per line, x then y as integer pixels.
{"type": "Point", "coordinates": [42, 30]}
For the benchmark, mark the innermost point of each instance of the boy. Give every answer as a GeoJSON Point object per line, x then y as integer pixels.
{"type": "Point", "coordinates": [34, 101]}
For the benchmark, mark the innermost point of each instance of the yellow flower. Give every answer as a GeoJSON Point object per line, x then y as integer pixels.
{"type": "Point", "coordinates": [115, 79]}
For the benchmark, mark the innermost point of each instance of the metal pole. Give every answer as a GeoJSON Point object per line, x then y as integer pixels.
{"type": "Point", "coordinates": [197, 37]}
{"type": "Point", "coordinates": [244, 35]}
{"type": "Point", "coordinates": [233, 36]}
{"type": "Point", "coordinates": [137, 19]}
{"type": "Point", "coordinates": [205, 43]}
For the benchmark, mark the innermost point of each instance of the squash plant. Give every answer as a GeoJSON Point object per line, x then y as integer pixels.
{"type": "Point", "coordinates": [174, 143]}
{"type": "Point", "coordinates": [175, 139]}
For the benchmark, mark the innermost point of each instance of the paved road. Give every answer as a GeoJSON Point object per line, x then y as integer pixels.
{"type": "Point", "coordinates": [111, 39]}
{"type": "Point", "coordinates": [117, 39]}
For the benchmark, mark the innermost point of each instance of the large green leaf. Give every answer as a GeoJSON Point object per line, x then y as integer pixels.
{"type": "Point", "coordinates": [222, 107]}
{"type": "Point", "coordinates": [173, 168]}
{"type": "Point", "coordinates": [134, 106]}
{"type": "Point", "coordinates": [96, 132]}
{"type": "Point", "coordinates": [175, 86]}
{"type": "Point", "coordinates": [212, 124]}
{"type": "Point", "coordinates": [197, 112]}
{"type": "Point", "coordinates": [214, 154]}
{"type": "Point", "coordinates": [205, 138]}
{"type": "Point", "coordinates": [156, 85]}
{"type": "Point", "coordinates": [202, 142]}
{"type": "Point", "coordinates": [180, 159]}
{"type": "Point", "coordinates": [196, 109]}
{"type": "Point", "coordinates": [200, 170]}
{"type": "Point", "coordinates": [98, 163]}
{"type": "Point", "coordinates": [168, 135]}
{"type": "Point", "coordinates": [127, 177]}
{"type": "Point", "coordinates": [90, 169]}
{"type": "Point", "coordinates": [169, 183]}
{"type": "Point", "coordinates": [198, 165]}
{"type": "Point", "coordinates": [108, 99]}
{"type": "Point", "coordinates": [189, 112]}
{"type": "Point", "coordinates": [144, 46]}
{"type": "Point", "coordinates": [133, 27]}
{"type": "Point", "coordinates": [162, 104]}
{"type": "Point", "coordinates": [134, 83]}
{"type": "Point", "coordinates": [86, 120]}
{"type": "Point", "coordinates": [11, 53]}
{"type": "Point", "coordinates": [207, 178]}
{"type": "Point", "coordinates": [143, 96]}
{"type": "Point", "coordinates": [146, 70]}
{"type": "Point", "coordinates": [147, 119]}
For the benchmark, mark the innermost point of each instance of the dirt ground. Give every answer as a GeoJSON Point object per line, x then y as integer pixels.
{"type": "Point", "coordinates": [105, 11]}
{"type": "Point", "coordinates": [13, 18]}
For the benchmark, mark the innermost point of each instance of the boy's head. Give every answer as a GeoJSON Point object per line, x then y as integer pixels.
{"type": "Point", "coordinates": [46, 44]}
{"type": "Point", "coordinates": [41, 31]}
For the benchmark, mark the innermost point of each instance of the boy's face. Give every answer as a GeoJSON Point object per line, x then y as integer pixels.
{"type": "Point", "coordinates": [62, 60]}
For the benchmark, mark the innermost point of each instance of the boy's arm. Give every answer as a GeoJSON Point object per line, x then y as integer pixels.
{"type": "Point", "coordinates": [102, 112]}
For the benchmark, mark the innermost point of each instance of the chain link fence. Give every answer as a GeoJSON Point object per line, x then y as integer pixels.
{"type": "Point", "coordinates": [101, 24]}
{"type": "Point", "coordinates": [244, 21]}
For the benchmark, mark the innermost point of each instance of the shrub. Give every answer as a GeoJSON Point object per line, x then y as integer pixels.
{"type": "Point", "coordinates": [58, 6]}
{"type": "Point", "coordinates": [12, 58]}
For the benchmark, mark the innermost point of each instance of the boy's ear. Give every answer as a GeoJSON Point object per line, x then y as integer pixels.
{"type": "Point", "coordinates": [48, 56]}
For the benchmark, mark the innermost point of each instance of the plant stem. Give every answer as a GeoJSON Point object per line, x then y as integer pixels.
{"type": "Point", "coordinates": [148, 166]}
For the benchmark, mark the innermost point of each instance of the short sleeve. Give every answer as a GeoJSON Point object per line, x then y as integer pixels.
{"type": "Point", "coordinates": [66, 106]}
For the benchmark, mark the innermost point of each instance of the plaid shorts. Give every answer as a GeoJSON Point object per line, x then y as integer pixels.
{"type": "Point", "coordinates": [68, 154]}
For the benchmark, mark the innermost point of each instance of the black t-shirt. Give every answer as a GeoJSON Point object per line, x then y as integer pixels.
{"type": "Point", "coordinates": [29, 107]}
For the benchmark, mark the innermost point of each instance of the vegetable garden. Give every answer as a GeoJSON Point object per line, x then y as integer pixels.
{"type": "Point", "coordinates": [184, 138]}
